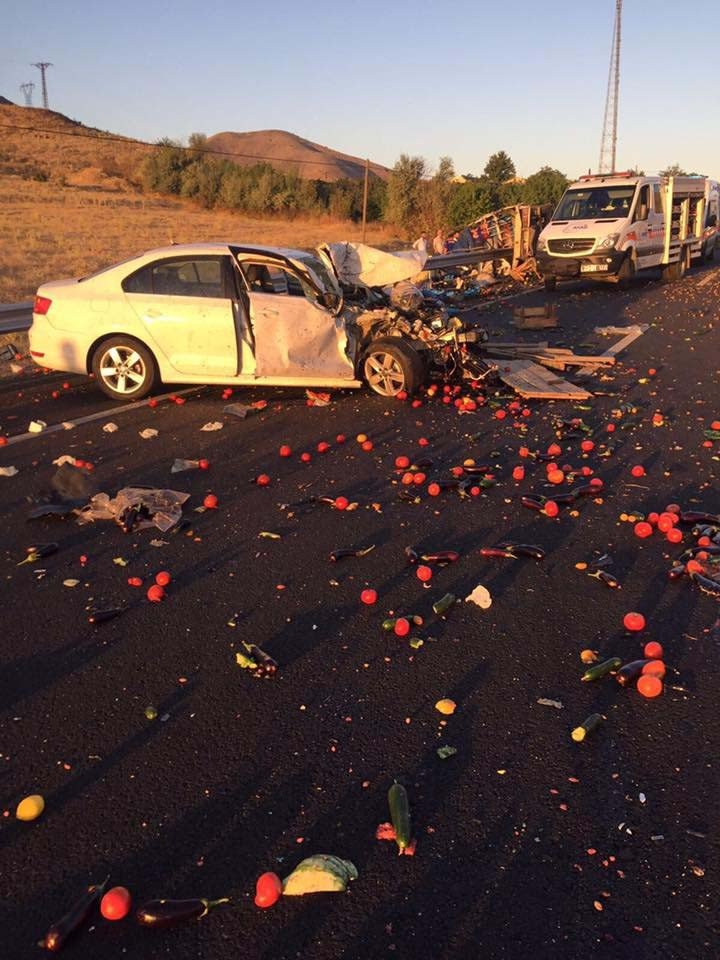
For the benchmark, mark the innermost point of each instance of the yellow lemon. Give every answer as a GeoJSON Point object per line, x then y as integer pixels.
{"type": "Point", "coordinates": [446, 707]}
{"type": "Point", "coordinates": [30, 808]}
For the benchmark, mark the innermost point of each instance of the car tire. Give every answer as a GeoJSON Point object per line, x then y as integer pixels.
{"type": "Point", "coordinates": [626, 273]}
{"type": "Point", "coordinates": [124, 368]}
{"type": "Point", "coordinates": [391, 365]}
{"type": "Point", "coordinates": [550, 284]}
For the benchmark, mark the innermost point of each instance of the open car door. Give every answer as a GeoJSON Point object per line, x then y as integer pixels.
{"type": "Point", "coordinates": [296, 334]}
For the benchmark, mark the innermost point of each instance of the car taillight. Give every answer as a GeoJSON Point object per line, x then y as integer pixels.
{"type": "Point", "coordinates": [42, 305]}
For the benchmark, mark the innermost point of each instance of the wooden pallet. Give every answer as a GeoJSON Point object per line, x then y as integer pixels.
{"type": "Point", "coordinates": [557, 358]}
{"type": "Point", "coordinates": [534, 382]}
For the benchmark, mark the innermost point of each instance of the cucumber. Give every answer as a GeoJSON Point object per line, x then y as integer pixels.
{"type": "Point", "coordinates": [601, 670]}
{"type": "Point", "coordinates": [441, 606]}
{"type": "Point", "coordinates": [586, 727]}
{"type": "Point", "coordinates": [400, 814]}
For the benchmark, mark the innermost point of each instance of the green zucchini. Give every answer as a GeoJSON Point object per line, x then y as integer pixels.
{"type": "Point", "coordinates": [586, 727]}
{"type": "Point", "coordinates": [441, 606]}
{"type": "Point", "coordinates": [400, 814]}
{"type": "Point", "coordinates": [601, 670]}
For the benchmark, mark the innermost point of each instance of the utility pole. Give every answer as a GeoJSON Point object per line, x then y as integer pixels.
{"type": "Point", "coordinates": [27, 89]}
{"type": "Point", "coordinates": [365, 199]}
{"type": "Point", "coordinates": [42, 67]}
{"type": "Point", "coordinates": [608, 144]}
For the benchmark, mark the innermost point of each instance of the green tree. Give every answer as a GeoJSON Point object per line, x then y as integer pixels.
{"type": "Point", "coordinates": [545, 186]}
{"type": "Point", "coordinates": [403, 207]}
{"type": "Point", "coordinates": [499, 168]}
{"type": "Point", "coordinates": [470, 201]}
{"type": "Point", "coordinates": [674, 170]}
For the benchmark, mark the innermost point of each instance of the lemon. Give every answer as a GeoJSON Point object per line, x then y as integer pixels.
{"type": "Point", "coordinates": [30, 808]}
{"type": "Point", "coordinates": [446, 707]}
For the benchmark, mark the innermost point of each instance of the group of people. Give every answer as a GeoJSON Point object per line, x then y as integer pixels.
{"type": "Point", "coordinates": [466, 239]}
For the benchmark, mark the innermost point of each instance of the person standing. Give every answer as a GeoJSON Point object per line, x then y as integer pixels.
{"type": "Point", "coordinates": [439, 244]}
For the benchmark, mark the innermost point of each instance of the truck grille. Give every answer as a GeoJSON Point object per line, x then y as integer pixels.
{"type": "Point", "coordinates": [571, 245]}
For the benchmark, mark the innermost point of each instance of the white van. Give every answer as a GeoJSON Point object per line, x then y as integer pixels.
{"type": "Point", "coordinates": [611, 226]}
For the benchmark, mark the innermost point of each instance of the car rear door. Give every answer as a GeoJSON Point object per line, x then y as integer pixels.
{"type": "Point", "coordinates": [189, 308]}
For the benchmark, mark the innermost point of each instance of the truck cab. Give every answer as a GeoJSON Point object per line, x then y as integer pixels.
{"type": "Point", "coordinates": [609, 227]}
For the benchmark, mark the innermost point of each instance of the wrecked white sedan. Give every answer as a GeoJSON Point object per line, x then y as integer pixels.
{"type": "Point", "coordinates": [234, 314]}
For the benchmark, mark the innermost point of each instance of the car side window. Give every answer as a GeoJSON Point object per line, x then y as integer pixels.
{"type": "Point", "coordinates": [264, 278]}
{"type": "Point", "coordinates": [657, 199]}
{"type": "Point", "coordinates": [643, 200]}
{"type": "Point", "coordinates": [180, 277]}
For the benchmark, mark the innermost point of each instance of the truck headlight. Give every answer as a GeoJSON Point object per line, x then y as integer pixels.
{"type": "Point", "coordinates": [542, 244]}
{"type": "Point", "coordinates": [609, 242]}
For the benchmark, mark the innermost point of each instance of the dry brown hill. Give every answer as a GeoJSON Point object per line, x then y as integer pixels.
{"type": "Point", "coordinates": [287, 151]}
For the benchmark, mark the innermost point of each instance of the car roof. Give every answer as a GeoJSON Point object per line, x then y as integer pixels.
{"type": "Point", "coordinates": [210, 247]}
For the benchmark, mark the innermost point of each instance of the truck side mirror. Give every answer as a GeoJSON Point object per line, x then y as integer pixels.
{"type": "Point", "coordinates": [712, 220]}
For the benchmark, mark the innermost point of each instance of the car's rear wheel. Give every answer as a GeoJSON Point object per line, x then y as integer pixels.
{"type": "Point", "coordinates": [391, 366]}
{"type": "Point", "coordinates": [124, 368]}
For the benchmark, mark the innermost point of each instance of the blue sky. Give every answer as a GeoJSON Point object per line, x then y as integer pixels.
{"type": "Point", "coordinates": [375, 79]}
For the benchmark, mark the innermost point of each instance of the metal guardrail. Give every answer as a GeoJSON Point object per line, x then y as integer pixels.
{"type": "Point", "coordinates": [16, 317]}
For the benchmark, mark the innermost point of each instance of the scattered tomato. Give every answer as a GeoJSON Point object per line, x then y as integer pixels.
{"type": "Point", "coordinates": [653, 650]}
{"type": "Point", "coordinates": [263, 480]}
{"type": "Point", "coordinates": [638, 470]}
{"type": "Point", "coordinates": [643, 529]}
{"type": "Point", "coordinates": [369, 597]}
{"type": "Point", "coordinates": [115, 905]}
{"type": "Point", "coordinates": [423, 573]}
{"type": "Point", "coordinates": [155, 594]}
{"type": "Point", "coordinates": [341, 503]}
{"type": "Point", "coordinates": [210, 502]}
{"type": "Point", "coordinates": [402, 627]}
{"type": "Point", "coordinates": [268, 890]}
{"type": "Point", "coordinates": [285, 451]}
{"type": "Point", "coordinates": [634, 621]}
{"type": "Point", "coordinates": [649, 686]}
{"type": "Point", "coordinates": [163, 578]}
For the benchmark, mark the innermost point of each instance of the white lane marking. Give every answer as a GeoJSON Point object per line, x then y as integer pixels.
{"type": "Point", "coordinates": [53, 428]}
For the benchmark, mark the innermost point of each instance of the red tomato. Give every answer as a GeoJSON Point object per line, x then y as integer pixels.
{"type": "Point", "coordinates": [693, 566]}
{"type": "Point", "coordinates": [402, 463]}
{"type": "Point", "coordinates": [423, 442]}
{"type": "Point", "coordinates": [434, 489]}
{"type": "Point", "coordinates": [704, 542]}
{"type": "Point", "coordinates": [3, 441]}
{"type": "Point", "coordinates": [634, 621]}
{"type": "Point", "coordinates": [204, 464]}
{"type": "Point", "coordinates": [656, 668]}
{"type": "Point", "coordinates": [524, 452]}
{"type": "Point", "coordinates": [526, 412]}
{"type": "Point", "coordinates": [638, 471]}
{"type": "Point", "coordinates": [263, 480]}
{"type": "Point", "coordinates": [649, 686]}
{"type": "Point", "coordinates": [554, 450]}
{"type": "Point", "coordinates": [419, 479]}
{"type": "Point", "coordinates": [210, 502]}
{"type": "Point", "coordinates": [367, 446]}
{"type": "Point", "coordinates": [643, 529]}
{"type": "Point", "coordinates": [341, 503]}
{"type": "Point", "coordinates": [674, 535]}
{"type": "Point", "coordinates": [305, 457]}
{"type": "Point", "coordinates": [135, 581]}
{"type": "Point", "coordinates": [369, 597]}
{"type": "Point", "coordinates": [665, 522]}
{"type": "Point", "coordinates": [653, 650]}
{"type": "Point", "coordinates": [673, 508]}
{"type": "Point", "coordinates": [587, 446]}
{"type": "Point", "coordinates": [423, 573]}
{"type": "Point", "coordinates": [115, 905]}
{"type": "Point", "coordinates": [610, 428]}
{"type": "Point", "coordinates": [556, 476]}
{"type": "Point", "coordinates": [401, 395]}
{"type": "Point", "coordinates": [268, 890]}
{"type": "Point", "coordinates": [407, 479]}
{"type": "Point", "coordinates": [597, 483]}
{"type": "Point", "coordinates": [340, 438]}
{"type": "Point", "coordinates": [500, 414]}
{"type": "Point", "coordinates": [323, 446]}
{"type": "Point", "coordinates": [653, 518]}
{"type": "Point", "coordinates": [551, 509]}
{"type": "Point", "coordinates": [402, 627]}
{"type": "Point", "coordinates": [155, 594]}
{"type": "Point", "coordinates": [152, 403]}
{"type": "Point", "coordinates": [457, 471]}
{"type": "Point", "coordinates": [475, 491]}
{"type": "Point", "coordinates": [163, 578]}
{"type": "Point", "coordinates": [285, 451]}
{"type": "Point", "coordinates": [518, 473]}
{"type": "Point", "coordinates": [715, 425]}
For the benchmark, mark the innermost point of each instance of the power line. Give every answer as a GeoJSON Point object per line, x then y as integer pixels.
{"type": "Point", "coordinates": [163, 146]}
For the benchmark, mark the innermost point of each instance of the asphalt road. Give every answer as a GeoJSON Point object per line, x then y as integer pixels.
{"type": "Point", "coordinates": [528, 844]}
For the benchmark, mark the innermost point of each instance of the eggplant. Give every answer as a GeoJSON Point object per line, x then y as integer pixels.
{"type": "Point", "coordinates": [628, 673]}
{"type": "Point", "coordinates": [101, 616]}
{"type": "Point", "coordinates": [349, 552]}
{"type": "Point", "coordinates": [609, 579]}
{"type": "Point", "coordinates": [441, 557]}
{"type": "Point", "coordinates": [698, 516]}
{"type": "Point", "coordinates": [167, 913]}
{"type": "Point", "coordinates": [38, 551]}
{"type": "Point", "coordinates": [566, 499]}
{"type": "Point", "coordinates": [707, 586]}
{"type": "Point", "coordinates": [677, 571]}
{"type": "Point", "coordinates": [266, 665]}
{"type": "Point", "coordinates": [534, 502]}
{"type": "Point", "coordinates": [501, 554]}
{"type": "Point", "coordinates": [525, 549]}
{"type": "Point", "coordinates": [408, 497]}
{"type": "Point", "coordinates": [59, 932]}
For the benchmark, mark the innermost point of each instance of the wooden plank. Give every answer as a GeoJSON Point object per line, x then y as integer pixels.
{"type": "Point", "coordinates": [534, 382]}
{"type": "Point", "coordinates": [637, 330]}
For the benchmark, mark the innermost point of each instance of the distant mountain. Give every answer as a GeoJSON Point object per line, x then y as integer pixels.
{"type": "Point", "coordinates": [288, 151]}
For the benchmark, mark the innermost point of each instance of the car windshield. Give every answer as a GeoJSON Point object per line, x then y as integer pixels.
{"type": "Point", "coordinates": [596, 203]}
{"type": "Point", "coordinates": [322, 273]}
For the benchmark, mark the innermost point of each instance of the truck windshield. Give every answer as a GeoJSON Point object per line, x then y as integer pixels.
{"type": "Point", "coordinates": [595, 203]}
